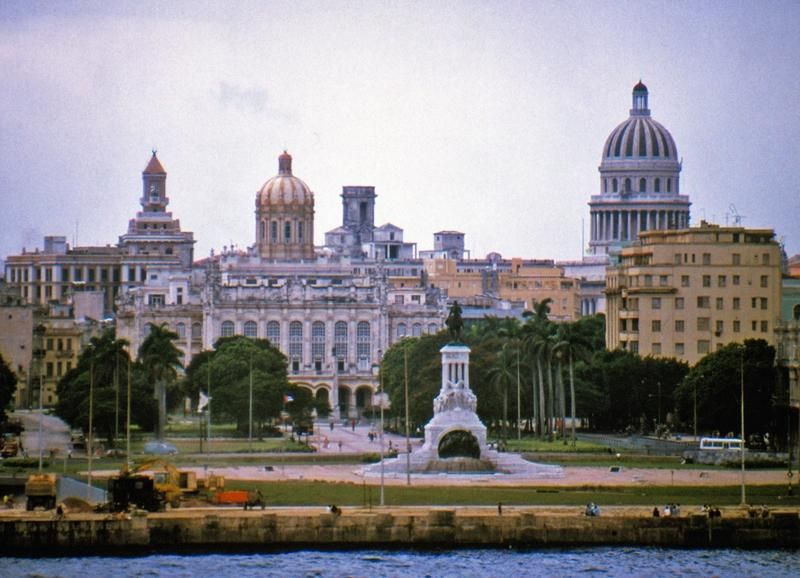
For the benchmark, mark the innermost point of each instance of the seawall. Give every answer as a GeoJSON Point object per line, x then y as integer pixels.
{"type": "Point", "coordinates": [41, 534]}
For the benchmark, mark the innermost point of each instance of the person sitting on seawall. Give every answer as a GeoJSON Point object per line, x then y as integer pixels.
{"type": "Point", "coordinates": [656, 513]}
{"type": "Point", "coordinates": [592, 510]}
{"type": "Point", "coordinates": [335, 510]}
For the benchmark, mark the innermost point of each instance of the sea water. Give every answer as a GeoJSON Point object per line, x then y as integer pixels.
{"type": "Point", "coordinates": [627, 562]}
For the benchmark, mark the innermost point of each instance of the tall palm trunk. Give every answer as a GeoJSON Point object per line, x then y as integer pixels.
{"type": "Point", "coordinates": [542, 400]}
{"type": "Point", "coordinates": [562, 401]}
{"type": "Point", "coordinates": [161, 394]}
{"type": "Point", "coordinates": [534, 404]}
{"type": "Point", "coordinates": [551, 408]}
{"type": "Point", "coordinates": [572, 397]}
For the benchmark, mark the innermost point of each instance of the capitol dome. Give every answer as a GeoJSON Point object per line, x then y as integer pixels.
{"type": "Point", "coordinates": [640, 137]}
{"type": "Point", "coordinates": [284, 188]}
{"type": "Point", "coordinates": [639, 181]}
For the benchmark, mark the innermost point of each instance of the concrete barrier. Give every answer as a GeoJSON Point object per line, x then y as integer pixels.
{"type": "Point", "coordinates": [41, 534]}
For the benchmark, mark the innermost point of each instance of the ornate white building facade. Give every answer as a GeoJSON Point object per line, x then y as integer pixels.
{"type": "Point", "coordinates": [332, 312]}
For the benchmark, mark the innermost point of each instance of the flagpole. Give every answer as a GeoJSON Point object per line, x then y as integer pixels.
{"type": "Point", "coordinates": [208, 407]}
{"type": "Point", "coordinates": [250, 421]}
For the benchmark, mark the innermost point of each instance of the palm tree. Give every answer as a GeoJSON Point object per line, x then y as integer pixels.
{"type": "Point", "coordinates": [160, 360]}
{"type": "Point", "coordinates": [501, 374]}
{"type": "Point", "coordinates": [571, 344]}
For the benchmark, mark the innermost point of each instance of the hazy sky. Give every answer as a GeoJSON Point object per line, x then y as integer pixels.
{"type": "Point", "coordinates": [486, 117]}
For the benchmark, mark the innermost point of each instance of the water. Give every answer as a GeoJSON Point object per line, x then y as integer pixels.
{"type": "Point", "coordinates": [627, 562]}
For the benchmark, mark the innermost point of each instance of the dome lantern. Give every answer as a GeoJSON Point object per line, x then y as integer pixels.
{"type": "Point", "coordinates": [640, 100]}
{"type": "Point", "coordinates": [285, 164]}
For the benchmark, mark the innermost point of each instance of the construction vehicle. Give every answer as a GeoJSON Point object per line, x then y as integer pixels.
{"type": "Point", "coordinates": [41, 490]}
{"type": "Point", "coordinates": [153, 484]}
{"type": "Point", "coordinates": [9, 446]}
{"type": "Point", "coordinates": [247, 498]}
{"type": "Point", "coordinates": [126, 490]}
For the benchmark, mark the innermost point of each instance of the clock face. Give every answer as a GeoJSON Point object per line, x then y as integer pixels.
{"type": "Point", "coordinates": [153, 188]}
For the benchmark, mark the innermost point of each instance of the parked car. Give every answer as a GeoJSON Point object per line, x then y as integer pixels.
{"type": "Point", "coordinates": [160, 448]}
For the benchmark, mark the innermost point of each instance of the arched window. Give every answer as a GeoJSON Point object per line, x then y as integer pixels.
{"type": "Point", "coordinates": [416, 329]}
{"type": "Point", "coordinates": [197, 331]}
{"type": "Point", "coordinates": [401, 330]}
{"type": "Point", "coordinates": [274, 333]}
{"type": "Point", "coordinates": [180, 329]}
{"type": "Point", "coordinates": [251, 329]}
{"type": "Point", "coordinates": [657, 186]}
{"type": "Point", "coordinates": [363, 344]}
{"type": "Point", "coordinates": [432, 328]}
{"type": "Point", "coordinates": [263, 230]}
{"type": "Point", "coordinates": [318, 341]}
{"type": "Point", "coordinates": [296, 344]}
{"type": "Point", "coordinates": [642, 185]}
{"type": "Point", "coordinates": [287, 232]}
{"type": "Point", "coordinates": [274, 231]}
{"type": "Point", "coordinates": [669, 185]}
{"type": "Point", "coordinates": [605, 185]}
{"type": "Point", "coordinates": [340, 343]}
{"type": "Point", "coordinates": [227, 329]}
{"type": "Point", "coordinates": [627, 185]}
{"type": "Point", "coordinates": [614, 184]}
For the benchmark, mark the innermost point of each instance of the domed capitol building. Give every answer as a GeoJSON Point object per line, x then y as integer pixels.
{"type": "Point", "coordinates": [639, 180]}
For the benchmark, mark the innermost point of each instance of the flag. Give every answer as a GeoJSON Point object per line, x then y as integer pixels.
{"type": "Point", "coordinates": [203, 402]}
{"type": "Point", "coordinates": [287, 398]}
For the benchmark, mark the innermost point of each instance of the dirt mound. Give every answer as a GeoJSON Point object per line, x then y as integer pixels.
{"type": "Point", "coordinates": [76, 505]}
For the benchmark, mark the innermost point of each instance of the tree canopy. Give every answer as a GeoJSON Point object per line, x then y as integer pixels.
{"type": "Point", "coordinates": [8, 386]}
{"type": "Point", "coordinates": [225, 374]}
{"type": "Point", "coordinates": [102, 374]}
{"type": "Point", "coordinates": [160, 361]}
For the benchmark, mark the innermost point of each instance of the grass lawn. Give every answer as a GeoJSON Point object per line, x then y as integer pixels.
{"type": "Point", "coordinates": [299, 493]}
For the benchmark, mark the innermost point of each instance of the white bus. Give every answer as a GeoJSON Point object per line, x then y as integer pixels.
{"type": "Point", "coordinates": [720, 444]}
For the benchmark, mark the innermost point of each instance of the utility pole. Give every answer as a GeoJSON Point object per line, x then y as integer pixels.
{"type": "Point", "coordinates": [408, 433]}
{"type": "Point", "coordinates": [741, 380]}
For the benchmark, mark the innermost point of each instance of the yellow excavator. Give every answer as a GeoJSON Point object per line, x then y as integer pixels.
{"type": "Point", "coordinates": [150, 485]}
{"type": "Point", "coordinates": [173, 483]}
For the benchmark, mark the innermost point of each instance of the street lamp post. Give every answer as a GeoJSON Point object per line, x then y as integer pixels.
{"type": "Point", "coordinates": [250, 417]}
{"type": "Point", "coordinates": [408, 433]}
{"type": "Point", "coordinates": [741, 411]}
{"type": "Point", "coordinates": [128, 418]}
{"type": "Point", "coordinates": [695, 410]}
{"type": "Point", "coordinates": [377, 369]}
{"type": "Point", "coordinates": [90, 444]}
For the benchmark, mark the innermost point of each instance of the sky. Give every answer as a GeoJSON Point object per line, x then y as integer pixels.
{"type": "Point", "coordinates": [484, 117]}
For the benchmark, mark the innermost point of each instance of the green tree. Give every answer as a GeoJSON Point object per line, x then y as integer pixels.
{"type": "Point", "coordinates": [8, 385]}
{"type": "Point", "coordinates": [160, 360]}
{"type": "Point", "coordinates": [424, 375]}
{"type": "Point", "coordinates": [571, 344]}
{"type": "Point", "coordinates": [229, 368]}
{"type": "Point", "coordinates": [98, 380]}
{"type": "Point", "coordinates": [714, 384]}
{"type": "Point", "coordinates": [501, 375]}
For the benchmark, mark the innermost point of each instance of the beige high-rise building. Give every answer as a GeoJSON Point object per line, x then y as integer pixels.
{"type": "Point", "coordinates": [685, 293]}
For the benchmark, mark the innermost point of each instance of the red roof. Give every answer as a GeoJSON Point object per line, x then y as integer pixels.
{"type": "Point", "coordinates": [639, 86]}
{"type": "Point", "coordinates": [154, 167]}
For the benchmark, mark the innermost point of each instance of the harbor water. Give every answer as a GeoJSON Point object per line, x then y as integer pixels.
{"type": "Point", "coordinates": [628, 562]}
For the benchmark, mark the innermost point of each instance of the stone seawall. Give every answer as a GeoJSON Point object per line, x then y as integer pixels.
{"type": "Point", "coordinates": [392, 528]}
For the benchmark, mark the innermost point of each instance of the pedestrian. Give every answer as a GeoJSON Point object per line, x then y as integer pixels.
{"type": "Point", "coordinates": [499, 508]}
{"type": "Point", "coordinates": [340, 445]}
{"type": "Point", "coordinates": [331, 424]}
{"type": "Point", "coordinates": [353, 424]}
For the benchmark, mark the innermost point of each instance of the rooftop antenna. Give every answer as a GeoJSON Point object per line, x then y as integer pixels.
{"type": "Point", "coordinates": [737, 218]}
